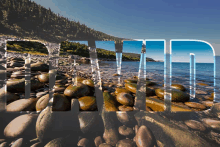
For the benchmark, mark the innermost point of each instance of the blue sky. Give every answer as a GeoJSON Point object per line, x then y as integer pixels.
{"type": "Point", "coordinates": [145, 19]}
{"type": "Point", "coordinates": [155, 49]}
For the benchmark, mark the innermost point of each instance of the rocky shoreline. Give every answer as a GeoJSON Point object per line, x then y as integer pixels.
{"type": "Point", "coordinates": [76, 121]}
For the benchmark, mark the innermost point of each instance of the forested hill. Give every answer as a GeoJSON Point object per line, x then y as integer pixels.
{"type": "Point", "coordinates": [68, 48]}
{"type": "Point", "coordinates": [26, 19]}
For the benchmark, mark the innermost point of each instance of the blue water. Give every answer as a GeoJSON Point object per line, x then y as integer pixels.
{"type": "Point", "coordinates": [180, 71]}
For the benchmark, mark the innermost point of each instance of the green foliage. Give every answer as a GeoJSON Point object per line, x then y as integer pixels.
{"type": "Point", "coordinates": [82, 50]}
{"type": "Point", "coordinates": [26, 47]}
{"type": "Point", "coordinates": [24, 18]}
{"type": "Point", "coordinates": [67, 48]}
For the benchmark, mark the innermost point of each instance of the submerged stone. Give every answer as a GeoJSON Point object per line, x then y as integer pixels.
{"type": "Point", "coordinates": [77, 91]}
{"type": "Point", "coordinates": [119, 90]}
{"type": "Point", "coordinates": [125, 99]}
{"type": "Point", "coordinates": [109, 102]}
{"type": "Point", "coordinates": [158, 105]}
{"type": "Point", "coordinates": [177, 95]}
{"type": "Point", "coordinates": [87, 103]}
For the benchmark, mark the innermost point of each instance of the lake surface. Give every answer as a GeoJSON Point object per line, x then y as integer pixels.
{"type": "Point", "coordinates": [180, 71]}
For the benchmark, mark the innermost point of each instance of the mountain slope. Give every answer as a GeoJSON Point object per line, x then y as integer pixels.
{"type": "Point", "coordinates": [27, 19]}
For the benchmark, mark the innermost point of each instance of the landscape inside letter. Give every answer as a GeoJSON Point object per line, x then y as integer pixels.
{"type": "Point", "coordinates": [149, 75]}
{"type": "Point", "coordinates": [193, 75]}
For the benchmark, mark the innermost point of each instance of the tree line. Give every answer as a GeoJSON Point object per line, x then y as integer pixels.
{"type": "Point", "coordinates": [68, 48]}
{"type": "Point", "coordinates": [25, 18]}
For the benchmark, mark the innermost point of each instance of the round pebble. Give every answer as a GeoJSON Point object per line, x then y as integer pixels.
{"type": "Point", "coordinates": [125, 99]}
{"type": "Point", "coordinates": [195, 105]}
{"type": "Point", "coordinates": [196, 125]}
{"type": "Point", "coordinates": [125, 143]}
{"type": "Point", "coordinates": [98, 140]}
{"type": "Point", "coordinates": [212, 123]}
{"type": "Point", "coordinates": [144, 137]}
{"type": "Point", "coordinates": [125, 108]}
{"type": "Point", "coordinates": [125, 131]}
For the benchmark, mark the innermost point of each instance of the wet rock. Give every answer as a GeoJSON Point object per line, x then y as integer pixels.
{"type": "Point", "coordinates": [98, 140]}
{"type": "Point", "coordinates": [207, 103]}
{"type": "Point", "coordinates": [110, 136]}
{"type": "Point", "coordinates": [22, 105]}
{"type": "Point", "coordinates": [200, 92]}
{"type": "Point", "coordinates": [115, 75]}
{"type": "Point", "coordinates": [88, 121]}
{"type": "Point", "coordinates": [202, 84]}
{"type": "Point", "coordinates": [125, 108]}
{"type": "Point", "coordinates": [120, 85]}
{"type": "Point", "coordinates": [22, 126]}
{"type": "Point", "coordinates": [35, 84]}
{"type": "Point", "coordinates": [177, 95]}
{"type": "Point", "coordinates": [211, 98]}
{"type": "Point", "coordinates": [88, 82]}
{"type": "Point", "coordinates": [19, 68]}
{"type": "Point", "coordinates": [18, 143]}
{"type": "Point", "coordinates": [125, 143]}
{"type": "Point", "coordinates": [53, 125]}
{"type": "Point", "coordinates": [212, 123]}
{"type": "Point", "coordinates": [77, 91]}
{"type": "Point", "coordinates": [212, 94]}
{"type": "Point", "coordinates": [105, 145]}
{"type": "Point", "coordinates": [87, 103]}
{"type": "Point", "coordinates": [2, 140]}
{"type": "Point", "coordinates": [215, 109]}
{"type": "Point", "coordinates": [58, 142]}
{"type": "Point", "coordinates": [123, 117]}
{"type": "Point", "coordinates": [119, 90]}
{"type": "Point", "coordinates": [158, 105]}
{"type": "Point", "coordinates": [196, 125]}
{"type": "Point", "coordinates": [10, 97]}
{"type": "Point", "coordinates": [11, 70]}
{"type": "Point", "coordinates": [4, 144]}
{"type": "Point", "coordinates": [61, 81]}
{"type": "Point", "coordinates": [136, 129]}
{"type": "Point", "coordinates": [125, 99]}
{"type": "Point", "coordinates": [131, 81]}
{"type": "Point", "coordinates": [39, 66]}
{"type": "Point", "coordinates": [33, 142]}
{"type": "Point", "coordinates": [178, 86]}
{"type": "Point", "coordinates": [44, 78]}
{"type": "Point", "coordinates": [59, 89]}
{"type": "Point", "coordinates": [18, 85]}
{"type": "Point", "coordinates": [125, 131]}
{"type": "Point", "coordinates": [17, 59]}
{"type": "Point", "coordinates": [18, 74]}
{"type": "Point", "coordinates": [148, 108]}
{"type": "Point", "coordinates": [195, 105]}
{"type": "Point", "coordinates": [144, 137]}
{"type": "Point", "coordinates": [149, 83]}
{"type": "Point", "coordinates": [16, 64]}
{"type": "Point", "coordinates": [113, 94]}
{"type": "Point", "coordinates": [40, 94]}
{"type": "Point", "coordinates": [79, 79]}
{"type": "Point", "coordinates": [84, 142]}
{"type": "Point", "coordinates": [109, 102]}
{"type": "Point", "coordinates": [38, 144]}
{"type": "Point", "coordinates": [132, 87]}
{"type": "Point", "coordinates": [135, 77]}
{"type": "Point", "coordinates": [170, 133]}
{"type": "Point", "coordinates": [60, 102]}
